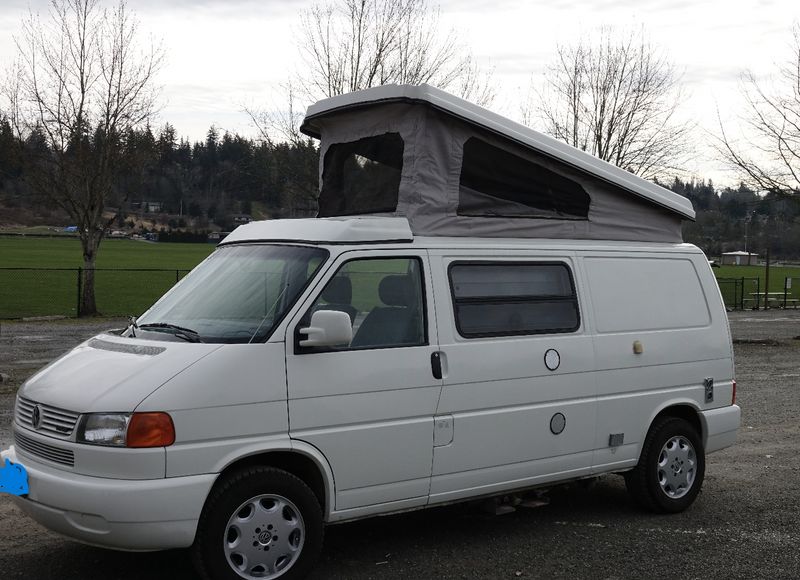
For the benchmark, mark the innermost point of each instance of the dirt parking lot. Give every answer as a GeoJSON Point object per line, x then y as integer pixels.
{"type": "Point", "coordinates": [745, 524]}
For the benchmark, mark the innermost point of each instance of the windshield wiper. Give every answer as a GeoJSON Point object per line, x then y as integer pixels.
{"type": "Point", "coordinates": [132, 325]}
{"type": "Point", "coordinates": [187, 334]}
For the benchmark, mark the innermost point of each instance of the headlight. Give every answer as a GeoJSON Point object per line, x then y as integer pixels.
{"type": "Point", "coordinates": [127, 430]}
{"type": "Point", "coordinates": [104, 429]}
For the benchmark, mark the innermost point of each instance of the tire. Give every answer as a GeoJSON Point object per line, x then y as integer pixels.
{"type": "Point", "coordinates": [260, 522]}
{"type": "Point", "coordinates": [671, 468]}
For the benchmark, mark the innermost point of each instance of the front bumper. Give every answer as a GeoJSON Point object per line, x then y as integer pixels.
{"type": "Point", "coordinates": [134, 515]}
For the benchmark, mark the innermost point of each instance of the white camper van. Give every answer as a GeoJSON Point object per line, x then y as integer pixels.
{"type": "Point", "coordinates": [479, 309]}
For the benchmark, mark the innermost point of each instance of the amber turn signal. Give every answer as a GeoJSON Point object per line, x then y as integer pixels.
{"type": "Point", "coordinates": [150, 430]}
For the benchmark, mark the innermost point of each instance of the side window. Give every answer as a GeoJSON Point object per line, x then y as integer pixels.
{"type": "Point", "coordinates": [513, 298]}
{"type": "Point", "coordinates": [495, 182]}
{"type": "Point", "coordinates": [362, 176]}
{"type": "Point", "coordinates": [384, 299]}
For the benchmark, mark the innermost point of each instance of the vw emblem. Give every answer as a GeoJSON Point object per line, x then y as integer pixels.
{"type": "Point", "coordinates": [264, 538]}
{"type": "Point", "coordinates": [36, 417]}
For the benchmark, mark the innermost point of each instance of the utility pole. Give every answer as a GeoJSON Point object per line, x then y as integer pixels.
{"type": "Point", "coordinates": [746, 221]}
{"type": "Point", "coordinates": [766, 283]}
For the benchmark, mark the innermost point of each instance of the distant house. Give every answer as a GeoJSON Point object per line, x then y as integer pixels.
{"type": "Point", "coordinates": [216, 237]}
{"type": "Point", "coordinates": [148, 206]}
{"type": "Point", "coordinates": [242, 218]}
{"type": "Point", "coordinates": [739, 258]}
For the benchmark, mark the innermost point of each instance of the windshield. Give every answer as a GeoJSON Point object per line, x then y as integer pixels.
{"type": "Point", "coordinates": [237, 295]}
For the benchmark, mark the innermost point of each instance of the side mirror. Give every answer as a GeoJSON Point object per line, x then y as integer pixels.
{"type": "Point", "coordinates": [328, 328]}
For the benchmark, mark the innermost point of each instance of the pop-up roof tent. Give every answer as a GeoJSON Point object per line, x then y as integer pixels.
{"type": "Point", "coordinates": [455, 169]}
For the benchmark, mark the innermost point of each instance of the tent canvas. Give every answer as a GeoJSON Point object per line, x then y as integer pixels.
{"type": "Point", "coordinates": [455, 169]}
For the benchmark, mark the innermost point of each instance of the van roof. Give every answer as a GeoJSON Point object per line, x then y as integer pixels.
{"type": "Point", "coordinates": [389, 230]}
{"type": "Point", "coordinates": [485, 119]}
{"type": "Point", "coordinates": [343, 230]}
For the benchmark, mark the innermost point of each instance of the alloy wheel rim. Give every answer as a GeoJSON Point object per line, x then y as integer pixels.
{"type": "Point", "coordinates": [677, 467]}
{"type": "Point", "coordinates": [264, 537]}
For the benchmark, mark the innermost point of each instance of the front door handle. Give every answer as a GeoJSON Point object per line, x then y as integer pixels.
{"type": "Point", "coordinates": [436, 365]}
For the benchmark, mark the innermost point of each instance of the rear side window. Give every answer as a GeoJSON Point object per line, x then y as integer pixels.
{"type": "Point", "coordinates": [362, 176]}
{"type": "Point", "coordinates": [513, 298]}
{"type": "Point", "coordinates": [634, 294]}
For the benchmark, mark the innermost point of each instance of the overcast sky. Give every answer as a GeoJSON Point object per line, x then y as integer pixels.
{"type": "Point", "coordinates": [222, 55]}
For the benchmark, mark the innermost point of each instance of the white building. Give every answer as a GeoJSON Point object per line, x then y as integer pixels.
{"type": "Point", "coordinates": [739, 258]}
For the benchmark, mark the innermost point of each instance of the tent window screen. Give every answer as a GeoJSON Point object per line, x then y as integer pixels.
{"type": "Point", "coordinates": [512, 298]}
{"type": "Point", "coordinates": [362, 176]}
{"type": "Point", "coordinates": [495, 182]}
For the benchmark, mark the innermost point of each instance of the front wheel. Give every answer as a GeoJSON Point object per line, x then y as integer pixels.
{"type": "Point", "coordinates": [671, 467]}
{"type": "Point", "coordinates": [260, 523]}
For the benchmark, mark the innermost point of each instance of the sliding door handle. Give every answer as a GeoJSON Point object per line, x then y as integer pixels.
{"type": "Point", "coordinates": [436, 365]}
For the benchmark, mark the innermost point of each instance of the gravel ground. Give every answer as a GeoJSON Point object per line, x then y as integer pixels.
{"type": "Point", "coordinates": [744, 524]}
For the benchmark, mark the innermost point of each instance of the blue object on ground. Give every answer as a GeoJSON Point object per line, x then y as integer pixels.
{"type": "Point", "coordinates": [13, 479]}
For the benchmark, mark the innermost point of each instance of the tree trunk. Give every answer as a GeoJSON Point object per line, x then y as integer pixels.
{"type": "Point", "coordinates": [90, 242]}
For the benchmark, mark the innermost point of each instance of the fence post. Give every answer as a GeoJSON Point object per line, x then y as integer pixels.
{"type": "Point", "coordinates": [78, 303]}
{"type": "Point", "coordinates": [758, 293]}
{"type": "Point", "coordinates": [741, 295]}
{"type": "Point", "coordinates": [176, 276]}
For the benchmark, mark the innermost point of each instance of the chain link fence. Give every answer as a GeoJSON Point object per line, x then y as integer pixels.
{"type": "Point", "coordinates": [738, 292]}
{"type": "Point", "coordinates": [748, 293]}
{"type": "Point", "coordinates": [32, 292]}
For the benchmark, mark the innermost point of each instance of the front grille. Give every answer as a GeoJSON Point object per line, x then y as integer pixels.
{"type": "Point", "coordinates": [55, 422]}
{"type": "Point", "coordinates": [44, 450]}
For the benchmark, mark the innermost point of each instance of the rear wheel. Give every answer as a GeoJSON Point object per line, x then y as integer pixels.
{"type": "Point", "coordinates": [671, 468]}
{"type": "Point", "coordinates": [259, 523]}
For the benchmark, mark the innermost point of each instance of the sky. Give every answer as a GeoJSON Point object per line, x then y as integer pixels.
{"type": "Point", "coordinates": [223, 56]}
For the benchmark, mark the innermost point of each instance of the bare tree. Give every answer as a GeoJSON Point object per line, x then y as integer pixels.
{"type": "Point", "coordinates": [615, 98]}
{"type": "Point", "coordinates": [349, 45]}
{"type": "Point", "coordinates": [81, 85]}
{"type": "Point", "coordinates": [768, 153]}
{"type": "Point", "coordinates": [279, 123]}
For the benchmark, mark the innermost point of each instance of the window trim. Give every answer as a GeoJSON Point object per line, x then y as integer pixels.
{"type": "Point", "coordinates": [573, 298]}
{"type": "Point", "coordinates": [302, 350]}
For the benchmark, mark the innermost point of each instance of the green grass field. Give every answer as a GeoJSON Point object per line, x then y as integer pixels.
{"type": "Point", "coordinates": [737, 295]}
{"type": "Point", "coordinates": [776, 275]}
{"type": "Point", "coordinates": [41, 293]}
{"type": "Point", "coordinates": [25, 252]}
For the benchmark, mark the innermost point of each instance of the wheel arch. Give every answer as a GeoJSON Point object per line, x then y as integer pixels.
{"type": "Point", "coordinates": [686, 410]}
{"type": "Point", "coordinates": [298, 458]}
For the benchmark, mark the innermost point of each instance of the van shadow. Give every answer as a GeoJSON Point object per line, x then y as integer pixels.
{"type": "Point", "coordinates": [429, 543]}
{"type": "Point", "coordinates": [419, 544]}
